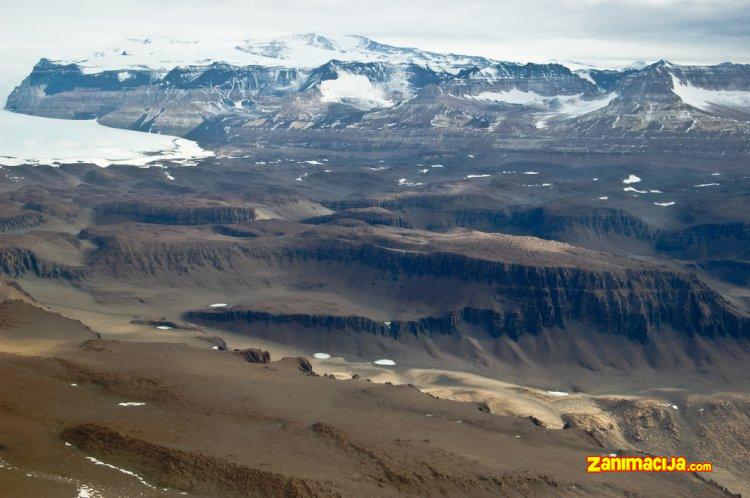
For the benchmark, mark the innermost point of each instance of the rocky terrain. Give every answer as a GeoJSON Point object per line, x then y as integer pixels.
{"type": "Point", "coordinates": [380, 271]}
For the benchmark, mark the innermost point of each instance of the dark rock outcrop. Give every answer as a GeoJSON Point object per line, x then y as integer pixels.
{"type": "Point", "coordinates": [253, 355]}
{"type": "Point", "coordinates": [171, 214]}
{"type": "Point", "coordinates": [21, 221]}
{"type": "Point", "coordinates": [17, 261]}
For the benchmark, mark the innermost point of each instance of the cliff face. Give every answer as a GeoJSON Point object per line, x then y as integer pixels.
{"type": "Point", "coordinates": [16, 262]}
{"type": "Point", "coordinates": [166, 214]}
{"type": "Point", "coordinates": [633, 302]}
{"type": "Point", "coordinates": [21, 221]}
{"type": "Point", "coordinates": [371, 216]}
{"type": "Point", "coordinates": [549, 222]}
{"type": "Point", "coordinates": [712, 239]}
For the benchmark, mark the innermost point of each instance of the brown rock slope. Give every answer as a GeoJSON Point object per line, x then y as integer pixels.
{"type": "Point", "coordinates": [210, 424]}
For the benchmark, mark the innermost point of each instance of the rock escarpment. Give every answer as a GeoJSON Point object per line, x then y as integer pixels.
{"type": "Point", "coordinates": [171, 214]}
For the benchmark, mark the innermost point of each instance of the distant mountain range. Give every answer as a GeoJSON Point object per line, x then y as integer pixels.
{"type": "Point", "coordinates": [223, 92]}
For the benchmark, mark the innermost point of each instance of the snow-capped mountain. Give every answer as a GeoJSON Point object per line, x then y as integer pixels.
{"type": "Point", "coordinates": [307, 50]}
{"type": "Point", "coordinates": [220, 90]}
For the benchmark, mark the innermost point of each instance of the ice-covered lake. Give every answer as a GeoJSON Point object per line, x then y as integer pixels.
{"type": "Point", "coordinates": [44, 141]}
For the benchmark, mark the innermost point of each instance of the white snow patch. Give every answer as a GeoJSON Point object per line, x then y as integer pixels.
{"type": "Point", "coordinates": [702, 185]}
{"type": "Point", "coordinates": [407, 183]}
{"type": "Point", "coordinates": [353, 89]}
{"type": "Point", "coordinates": [164, 327]}
{"type": "Point", "coordinates": [664, 204]}
{"type": "Point", "coordinates": [704, 99]}
{"type": "Point", "coordinates": [558, 393]}
{"type": "Point", "coordinates": [124, 75]}
{"type": "Point", "coordinates": [632, 179]}
{"type": "Point", "coordinates": [86, 491]}
{"type": "Point", "coordinates": [530, 172]}
{"type": "Point", "coordinates": [322, 356]}
{"type": "Point", "coordinates": [603, 198]}
{"type": "Point", "coordinates": [569, 105]}
{"type": "Point", "coordinates": [586, 76]}
{"type": "Point", "coordinates": [385, 362]}
{"type": "Point", "coordinates": [45, 141]}
{"type": "Point", "coordinates": [218, 305]}
{"type": "Point", "coordinates": [73, 384]}
{"type": "Point", "coordinates": [477, 176]}
{"type": "Point", "coordinates": [124, 471]}
{"type": "Point", "coordinates": [131, 403]}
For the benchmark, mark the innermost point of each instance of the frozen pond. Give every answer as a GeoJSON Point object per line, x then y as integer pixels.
{"type": "Point", "coordinates": [44, 141]}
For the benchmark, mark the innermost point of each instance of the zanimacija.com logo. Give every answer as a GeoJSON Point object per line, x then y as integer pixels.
{"type": "Point", "coordinates": [598, 464]}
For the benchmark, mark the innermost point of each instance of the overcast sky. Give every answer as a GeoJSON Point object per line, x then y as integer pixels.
{"type": "Point", "coordinates": [687, 31]}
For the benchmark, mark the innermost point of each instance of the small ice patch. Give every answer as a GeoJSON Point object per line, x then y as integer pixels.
{"type": "Point", "coordinates": [168, 175]}
{"type": "Point", "coordinates": [164, 327]}
{"type": "Point", "coordinates": [314, 163]}
{"type": "Point", "coordinates": [603, 198]}
{"type": "Point", "coordinates": [321, 356]}
{"type": "Point", "coordinates": [386, 363]}
{"type": "Point", "coordinates": [218, 305]}
{"type": "Point", "coordinates": [477, 176]}
{"type": "Point", "coordinates": [664, 204]}
{"type": "Point", "coordinates": [436, 166]}
{"type": "Point", "coordinates": [530, 172]}
{"type": "Point", "coordinates": [631, 179]}
{"type": "Point", "coordinates": [715, 174]}
{"type": "Point", "coordinates": [558, 393]}
{"type": "Point", "coordinates": [674, 407]}
{"type": "Point", "coordinates": [701, 185]}
{"type": "Point", "coordinates": [131, 403]}
{"type": "Point", "coordinates": [633, 189]}
{"type": "Point", "coordinates": [423, 171]}
{"type": "Point", "coordinates": [84, 492]}
{"type": "Point", "coordinates": [471, 156]}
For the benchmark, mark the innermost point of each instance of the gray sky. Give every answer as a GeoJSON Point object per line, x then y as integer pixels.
{"type": "Point", "coordinates": [687, 31]}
